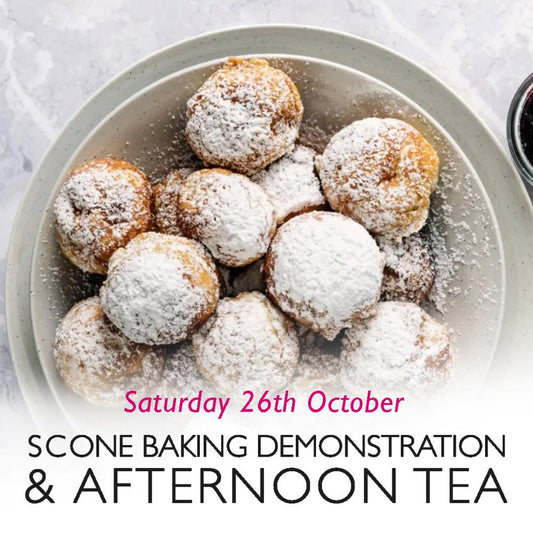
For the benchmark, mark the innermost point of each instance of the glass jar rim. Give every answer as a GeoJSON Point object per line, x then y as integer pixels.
{"type": "Point", "coordinates": [514, 116]}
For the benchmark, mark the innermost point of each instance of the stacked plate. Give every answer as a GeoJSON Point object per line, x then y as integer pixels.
{"type": "Point", "coordinates": [481, 210]}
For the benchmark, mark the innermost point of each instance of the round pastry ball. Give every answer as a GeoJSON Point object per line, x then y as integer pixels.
{"type": "Point", "coordinates": [101, 206]}
{"type": "Point", "coordinates": [228, 213]}
{"type": "Point", "coordinates": [400, 349]}
{"type": "Point", "coordinates": [160, 288]}
{"type": "Point", "coordinates": [166, 201]}
{"type": "Point", "coordinates": [408, 273]}
{"type": "Point", "coordinates": [97, 361]}
{"type": "Point", "coordinates": [291, 184]}
{"type": "Point", "coordinates": [248, 344]}
{"type": "Point", "coordinates": [181, 376]}
{"type": "Point", "coordinates": [246, 115]}
{"type": "Point", "coordinates": [380, 172]}
{"type": "Point", "coordinates": [324, 270]}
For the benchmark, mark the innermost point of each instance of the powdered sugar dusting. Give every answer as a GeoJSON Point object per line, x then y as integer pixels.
{"type": "Point", "coordinates": [459, 238]}
{"type": "Point", "coordinates": [166, 201]}
{"type": "Point", "coordinates": [380, 172]}
{"type": "Point", "coordinates": [181, 376]}
{"type": "Point", "coordinates": [400, 348]}
{"type": "Point", "coordinates": [461, 233]}
{"type": "Point", "coordinates": [101, 205]}
{"type": "Point", "coordinates": [228, 213]}
{"type": "Point", "coordinates": [323, 269]}
{"type": "Point", "coordinates": [291, 183]}
{"type": "Point", "coordinates": [247, 344]}
{"type": "Point", "coordinates": [97, 361]}
{"type": "Point", "coordinates": [159, 288]}
{"type": "Point", "coordinates": [408, 273]}
{"type": "Point", "coordinates": [245, 116]}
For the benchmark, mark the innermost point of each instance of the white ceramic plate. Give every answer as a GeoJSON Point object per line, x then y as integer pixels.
{"type": "Point", "coordinates": [485, 155]}
{"type": "Point", "coordinates": [148, 131]}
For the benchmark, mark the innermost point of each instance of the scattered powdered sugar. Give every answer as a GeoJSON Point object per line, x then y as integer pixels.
{"type": "Point", "coordinates": [159, 288]}
{"type": "Point", "coordinates": [228, 213]}
{"type": "Point", "coordinates": [166, 201]}
{"type": "Point", "coordinates": [408, 272]}
{"type": "Point", "coordinates": [398, 349]}
{"type": "Point", "coordinates": [247, 344]}
{"type": "Point", "coordinates": [380, 172]}
{"type": "Point", "coordinates": [291, 183]}
{"type": "Point", "coordinates": [181, 376]}
{"type": "Point", "coordinates": [97, 361]}
{"type": "Point", "coordinates": [460, 244]}
{"type": "Point", "coordinates": [323, 269]}
{"type": "Point", "coordinates": [244, 116]}
{"type": "Point", "coordinates": [101, 205]}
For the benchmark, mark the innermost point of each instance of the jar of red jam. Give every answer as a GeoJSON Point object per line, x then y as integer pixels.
{"type": "Point", "coordinates": [520, 129]}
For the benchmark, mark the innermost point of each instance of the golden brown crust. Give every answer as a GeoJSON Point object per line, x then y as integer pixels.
{"type": "Point", "coordinates": [165, 196]}
{"type": "Point", "coordinates": [408, 273]}
{"type": "Point", "coordinates": [160, 288]}
{"type": "Point", "coordinates": [381, 173]}
{"type": "Point", "coordinates": [228, 213]}
{"type": "Point", "coordinates": [440, 362]}
{"type": "Point", "coordinates": [101, 206]}
{"type": "Point", "coordinates": [245, 116]}
{"type": "Point", "coordinates": [97, 362]}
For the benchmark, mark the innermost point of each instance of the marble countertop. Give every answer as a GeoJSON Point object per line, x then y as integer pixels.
{"type": "Point", "coordinates": [55, 53]}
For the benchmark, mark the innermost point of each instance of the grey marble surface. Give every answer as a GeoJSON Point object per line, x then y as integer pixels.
{"type": "Point", "coordinates": [55, 53]}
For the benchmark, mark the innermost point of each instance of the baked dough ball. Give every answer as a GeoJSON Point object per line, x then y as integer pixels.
{"type": "Point", "coordinates": [248, 344]}
{"type": "Point", "coordinates": [291, 184]}
{"type": "Point", "coordinates": [324, 270]}
{"type": "Point", "coordinates": [97, 361]}
{"type": "Point", "coordinates": [408, 273]}
{"type": "Point", "coordinates": [160, 288]}
{"type": "Point", "coordinates": [400, 349]}
{"type": "Point", "coordinates": [181, 376]}
{"type": "Point", "coordinates": [100, 207]}
{"type": "Point", "coordinates": [380, 172]}
{"type": "Point", "coordinates": [246, 115]}
{"type": "Point", "coordinates": [166, 201]}
{"type": "Point", "coordinates": [228, 213]}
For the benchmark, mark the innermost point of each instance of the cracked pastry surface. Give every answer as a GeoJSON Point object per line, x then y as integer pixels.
{"type": "Point", "coordinates": [380, 172]}
{"type": "Point", "coordinates": [101, 206]}
{"type": "Point", "coordinates": [245, 116]}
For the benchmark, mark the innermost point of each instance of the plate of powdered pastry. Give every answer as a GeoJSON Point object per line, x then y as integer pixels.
{"type": "Point", "coordinates": [266, 222]}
